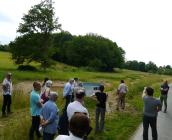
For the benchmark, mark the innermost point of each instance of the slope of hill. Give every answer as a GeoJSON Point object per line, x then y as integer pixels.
{"type": "Point", "coordinates": [119, 125]}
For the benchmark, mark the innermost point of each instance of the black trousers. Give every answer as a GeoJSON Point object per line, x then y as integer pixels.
{"type": "Point", "coordinates": [152, 122]}
{"type": "Point", "coordinates": [6, 103]}
{"type": "Point", "coordinates": [69, 98]}
{"type": "Point", "coordinates": [34, 127]}
{"type": "Point", "coordinates": [48, 136]}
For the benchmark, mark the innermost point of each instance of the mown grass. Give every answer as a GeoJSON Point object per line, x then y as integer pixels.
{"type": "Point", "coordinates": [118, 125]}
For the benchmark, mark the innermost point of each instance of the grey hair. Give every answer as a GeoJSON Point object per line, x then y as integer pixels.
{"type": "Point", "coordinates": [53, 95]}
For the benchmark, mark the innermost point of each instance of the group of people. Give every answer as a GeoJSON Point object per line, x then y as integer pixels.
{"type": "Point", "coordinates": [74, 122]}
{"type": "Point", "coordinates": [45, 113]}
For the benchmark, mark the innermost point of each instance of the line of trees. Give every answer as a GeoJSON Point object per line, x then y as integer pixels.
{"type": "Point", "coordinates": [149, 67]}
{"type": "Point", "coordinates": [38, 42]}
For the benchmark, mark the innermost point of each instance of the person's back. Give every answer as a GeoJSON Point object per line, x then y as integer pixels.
{"type": "Point", "coordinates": [75, 107]}
{"type": "Point", "coordinates": [101, 97]}
{"type": "Point", "coordinates": [150, 106]}
{"type": "Point", "coordinates": [49, 117]}
{"type": "Point", "coordinates": [122, 88]}
{"type": "Point", "coordinates": [50, 111]}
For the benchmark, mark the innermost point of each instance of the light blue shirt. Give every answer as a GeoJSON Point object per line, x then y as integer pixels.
{"type": "Point", "coordinates": [50, 112]}
{"type": "Point", "coordinates": [34, 101]}
{"type": "Point", "coordinates": [68, 88]}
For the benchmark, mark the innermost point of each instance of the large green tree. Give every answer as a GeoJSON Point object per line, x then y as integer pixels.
{"type": "Point", "coordinates": [88, 51]}
{"type": "Point", "coordinates": [35, 42]}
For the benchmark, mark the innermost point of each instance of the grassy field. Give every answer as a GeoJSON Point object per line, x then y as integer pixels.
{"type": "Point", "coordinates": [118, 125]}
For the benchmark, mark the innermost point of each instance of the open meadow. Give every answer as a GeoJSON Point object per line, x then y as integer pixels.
{"type": "Point", "coordinates": [119, 125]}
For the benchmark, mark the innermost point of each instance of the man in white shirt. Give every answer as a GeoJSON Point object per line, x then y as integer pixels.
{"type": "Point", "coordinates": [121, 92]}
{"type": "Point", "coordinates": [7, 91]}
{"type": "Point", "coordinates": [77, 105]}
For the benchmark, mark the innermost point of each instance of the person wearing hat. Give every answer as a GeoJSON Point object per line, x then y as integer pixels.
{"type": "Point", "coordinates": [7, 92]}
{"type": "Point", "coordinates": [50, 117]}
{"type": "Point", "coordinates": [45, 94]}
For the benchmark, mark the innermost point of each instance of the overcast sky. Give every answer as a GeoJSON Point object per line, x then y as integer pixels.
{"type": "Point", "coordinates": [143, 28]}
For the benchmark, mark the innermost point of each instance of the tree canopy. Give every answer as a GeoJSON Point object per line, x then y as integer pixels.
{"type": "Point", "coordinates": [35, 42]}
{"type": "Point", "coordinates": [90, 50]}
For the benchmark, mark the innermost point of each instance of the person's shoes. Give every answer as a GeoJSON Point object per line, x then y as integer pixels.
{"type": "Point", "coordinates": [165, 111]}
{"type": "Point", "coordinates": [4, 115]}
{"type": "Point", "coordinates": [10, 112]}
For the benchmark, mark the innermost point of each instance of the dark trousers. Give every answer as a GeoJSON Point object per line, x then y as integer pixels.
{"type": "Point", "coordinates": [152, 122]}
{"type": "Point", "coordinates": [163, 98]}
{"type": "Point", "coordinates": [121, 100]}
{"type": "Point", "coordinates": [48, 136]}
{"type": "Point", "coordinates": [63, 124]}
{"type": "Point", "coordinates": [6, 103]}
{"type": "Point", "coordinates": [34, 127]}
{"type": "Point", "coordinates": [69, 98]}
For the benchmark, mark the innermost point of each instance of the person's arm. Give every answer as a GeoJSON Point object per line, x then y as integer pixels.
{"type": "Point", "coordinates": [144, 92]}
{"type": "Point", "coordinates": [159, 105]}
{"type": "Point", "coordinates": [51, 118]}
{"type": "Point", "coordinates": [47, 92]}
{"type": "Point", "coordinates": [38, 101]}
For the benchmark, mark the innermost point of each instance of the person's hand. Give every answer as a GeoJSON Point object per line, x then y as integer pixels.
{"type": "Point", "coordinates": [44, 123]}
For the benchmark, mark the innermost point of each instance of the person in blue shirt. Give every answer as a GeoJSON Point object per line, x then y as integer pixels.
{"type": "Point", "coordinates": [67, 93]}
{"type": "Point", "coordinates": [50, 117]}
{"type": "Point", "coordinates": [35, 108]}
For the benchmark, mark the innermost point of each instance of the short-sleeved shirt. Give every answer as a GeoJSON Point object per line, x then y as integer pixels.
{"type": "Point", "coordinates": [50, 112]}
{"type": "Point", "coordinates": [150, 106]}
{"type": "Point", "coordinates": [76, 107]}
{"type": "Point", "coordinates": [101, 98]}
{"type": "Point", "coordinates": [122, 88]}
{"type": "Point", "coordinates": [8, 84]}
{"type": "Point", "coordinates": [70, 137]}
{"type": "Point", "coordinates": [68, 89]}
{"type": "Point", "coordinates": [164, 89]}
{"type": "Point", "coordinates": [34, 101]}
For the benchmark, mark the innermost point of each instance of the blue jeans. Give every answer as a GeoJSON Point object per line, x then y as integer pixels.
{"type": "Point", "coordinates": [100, 112]}
{"type": "Point", "coordinates": [152, 122]}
